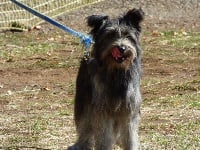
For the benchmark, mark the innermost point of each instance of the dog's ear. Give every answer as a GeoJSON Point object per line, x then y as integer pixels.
{"type": "Point", "coordinates": [95, 21]}
{"type": "Point", "coordinates": [134, 17]}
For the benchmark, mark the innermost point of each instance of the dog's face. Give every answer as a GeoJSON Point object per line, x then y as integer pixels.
{"type": "Point", "coordinates": [116, 40]}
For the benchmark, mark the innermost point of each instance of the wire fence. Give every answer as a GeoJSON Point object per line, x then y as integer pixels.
{"type": "Point", "coordinates": [14, 17]}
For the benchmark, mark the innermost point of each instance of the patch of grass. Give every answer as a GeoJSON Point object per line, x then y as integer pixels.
{"type": "Point", "coordinates": [23, 139]}
{"type": "Point", "coordinates": [184, 88]}
{"type": "Point", "coordinates": [44, 64]}
{"type": "Point", "coordinates": [180, 101]}
{"type": "Point", "coordinates": [152, 82]}
{"type": "Point", "coordinates": [65, 112]}
{"type": "Point", "coordinates": [182, 39]}
{"type": "Point", "coordinates": [38, 125]}
{"type": "Point", "coordinates": [31, 50]}
{"type": "Point", "coordinates": [182, 136]}
{"type": "Point", "coordinates": [71, 88]}
{"type": "Point", "coordinates": [190, 85]}
{"type": "Point", "coordinates": [25, 46]}
{"type": "Point", "coordinates": [68, 101]}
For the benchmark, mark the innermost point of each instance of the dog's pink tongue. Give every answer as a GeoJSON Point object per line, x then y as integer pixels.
{"type": "Point", "coordinates": [116, 53]}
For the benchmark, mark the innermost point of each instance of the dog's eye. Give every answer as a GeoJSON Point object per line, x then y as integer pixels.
{"type": "Point", "coordinates": [111, 34]}
{"type": "Point", "coordinates": [129, 37]}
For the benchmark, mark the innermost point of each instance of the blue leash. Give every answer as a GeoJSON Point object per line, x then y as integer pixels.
{"type": "Point", "coordinates": [85, 39]}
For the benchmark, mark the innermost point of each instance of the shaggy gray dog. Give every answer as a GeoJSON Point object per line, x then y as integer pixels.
{"type": "Point", "coordinates": [108, 99]}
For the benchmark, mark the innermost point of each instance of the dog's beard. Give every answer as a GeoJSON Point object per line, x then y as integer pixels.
{"type": "Point", "coordinates": [117, 57]}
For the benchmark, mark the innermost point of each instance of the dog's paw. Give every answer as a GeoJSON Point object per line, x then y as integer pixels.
{"type": "Point", "coordinates": [76, 147]}
{"type": "Point", "coordinates": [79, 147]}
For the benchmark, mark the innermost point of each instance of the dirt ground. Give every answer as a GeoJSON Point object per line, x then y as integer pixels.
{"type": "Point", "coordinates": [38, 71]}
{"type": "Point", "coordinates": [160, 14]}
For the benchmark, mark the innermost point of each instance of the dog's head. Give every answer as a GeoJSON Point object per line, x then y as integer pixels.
{"type": "Point", "coordinates": [116, 40]}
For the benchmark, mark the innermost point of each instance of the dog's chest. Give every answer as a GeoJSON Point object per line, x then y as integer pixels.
{"type": "Point", "coordinates": [115, 95]}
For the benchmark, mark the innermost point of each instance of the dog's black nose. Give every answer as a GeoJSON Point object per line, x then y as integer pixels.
{"type": "Point", "coordinates": [122, 48]}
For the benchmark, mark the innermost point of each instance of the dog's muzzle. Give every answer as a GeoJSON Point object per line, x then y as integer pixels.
{"type": "Point", "coordinates": [118, 53]}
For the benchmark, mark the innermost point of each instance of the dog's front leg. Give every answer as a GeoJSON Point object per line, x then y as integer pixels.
{"type": "Point", "coordinates": [85, 137]}
{"type": "Point", "coordinates": [104, 137]}
{"type": "Point", "coordinates": [130, 135]}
